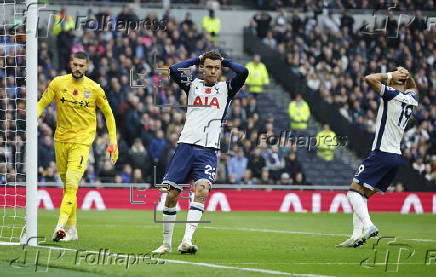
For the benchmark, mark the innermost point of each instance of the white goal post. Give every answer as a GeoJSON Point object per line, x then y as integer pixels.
{"type": "Point", "coordinates": [18, 122]}
{"type": "Point", "coordinates": [31, 122]}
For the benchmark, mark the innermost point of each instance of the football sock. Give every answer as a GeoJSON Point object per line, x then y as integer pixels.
{"type": "Point", "coordinates": [357, 227]}
{"type": "Point", "coordinates": [169, 214]}
{"type": "Point", "coordinates": [194, 214]}
{"type": "Point", "coordinates": [360, 207]}
{"type": "Point", "coordinates": [72, 220]}
{"type": "Point", "coordinates": [69, 199]}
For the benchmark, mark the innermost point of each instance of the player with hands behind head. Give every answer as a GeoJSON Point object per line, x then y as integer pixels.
{"type": "Point", "coordinates": [196, 154]}
{"type": "Point", "coordinates": [398, 101]}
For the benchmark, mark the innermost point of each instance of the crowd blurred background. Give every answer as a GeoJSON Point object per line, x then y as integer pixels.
{"type": "Point", "coordinates": [147, 134]}
{"type": "Point", "coordinates": [335, 59]}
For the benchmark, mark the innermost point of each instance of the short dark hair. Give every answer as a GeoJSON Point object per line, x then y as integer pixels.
{"type": "Point", "coordinates": [81, 55]}
{"type": "Point", "coordinates": [213, 55]}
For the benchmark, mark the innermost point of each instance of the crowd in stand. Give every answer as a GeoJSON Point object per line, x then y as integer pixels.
{"type": "Point", "coordinates": [334, 55]}
{"type": "Point", "coordinates": [315, 5]}
{"type": "Point", "coordinates": [12, 104]}
{"type": "Point", "coordinates": [147, 133]}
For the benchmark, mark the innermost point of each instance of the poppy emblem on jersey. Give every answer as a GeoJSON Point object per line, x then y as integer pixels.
{"type": "Point", "coordinates": [75, 92]}
{"type": "Point", "coordinates": [208, 91]}
{"type": "Point", "coordinates": [86, 94]}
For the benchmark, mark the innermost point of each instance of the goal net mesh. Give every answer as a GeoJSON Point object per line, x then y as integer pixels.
{"type": "Point", "coordinates": [12, 120]}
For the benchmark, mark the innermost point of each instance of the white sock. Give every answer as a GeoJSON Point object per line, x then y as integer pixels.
{"type": "Point", "coordinates": [194, 214]}
{"type": "Point", "coordinates": [360, 208]}
{"type": "Point", "coordinates": [169, 214]}
{"type": "Point", "coordinates": [357, 227]}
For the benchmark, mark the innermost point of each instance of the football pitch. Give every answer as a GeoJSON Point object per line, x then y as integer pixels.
{"type": "Point", "coordinates": [118, 243]}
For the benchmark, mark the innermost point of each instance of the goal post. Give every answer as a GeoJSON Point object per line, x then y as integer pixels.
{"type": "Point", "coordinates": [31, 122]}
{"type": "Point", "coordinates": [18, 122]}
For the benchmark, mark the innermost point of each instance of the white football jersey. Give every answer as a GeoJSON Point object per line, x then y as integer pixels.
{"type": "Point", "coordinates": [203, 123]}
{"type": "Point", "coordinates": [393, 113]}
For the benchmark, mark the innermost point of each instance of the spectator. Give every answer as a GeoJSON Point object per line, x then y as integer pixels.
{"type": "Point", "coordinates": [62, 30]}
{"type": "Point", "coordinates": [237, 165]}
{"type": "Point", "coordinates": [342, 56]}
{"type": "Point", "coordinates": [188, 21]}
{"type": "Point", "coordinates": [257, 77]}
{"type": "Point", "coordinates": [418, 165]}
{"type": "Point", "coordinates": [292, 166]}
{"type": "Point", "coordinates": [118, 179]}
{"type": "Point", "coordinates": [212, 25]}
{"type": "Point", "coordinates": [137, 176]}
{"type": "Point", "coordinates": [347, 21]}
{"type": "Point", "coordinates": [285, 179]}
{"type": "Point", "coordinates": [326, 143]}
{"type": "Point", "coordinates": [270, 40]}
{"type": "Point", "coordinates": [275, 163]}
{"type": "Point", "coordinates": [263, 23]}
{"type": "Point", "coordinates": [256, 162]}
{"type": "Point", "coordinates": [264, 177]}
{"type": "Point", "coordinates": [90, 176]}
{"type": "Point", "coordinates": [107, 173]}
{"type": "Point", "coordinates": [126, 174]}
{"type": "Point", "coordinates": [157, 146]}
{"type": "Point", "coordinates": [45, 152]}
{"type": "Point", "coordinates": [221, 172]}
{"type": "Point", "coordinates": [399, 187]}
{"type": "Point", "coordinates": [299, 113]}
{"type": "Point", "coordinates": [247, 179]}
{"type": "Point", "coordinates": [299, 179]}
{"type": "Point", "coordinates": [138, 154]}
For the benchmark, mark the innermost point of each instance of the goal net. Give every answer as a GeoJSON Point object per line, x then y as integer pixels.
{"type": "Point", "coordinates": [14, 124]}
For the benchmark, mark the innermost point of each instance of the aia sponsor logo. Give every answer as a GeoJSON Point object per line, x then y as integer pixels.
{"type": "Point", "coordinates": [207, 101]}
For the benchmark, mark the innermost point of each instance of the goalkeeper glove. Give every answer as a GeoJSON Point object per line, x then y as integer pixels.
{"type": "Point", "coordinates": [112, 150]}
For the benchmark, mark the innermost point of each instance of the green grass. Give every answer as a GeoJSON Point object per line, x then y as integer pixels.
{"type": "Point", "coordinates": [254, 240]}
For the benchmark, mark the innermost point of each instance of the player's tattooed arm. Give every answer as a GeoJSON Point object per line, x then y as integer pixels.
{"type": "Point", "coordinates": [376, 80]}
{"type": "Point", "coordinates": [176, 74]}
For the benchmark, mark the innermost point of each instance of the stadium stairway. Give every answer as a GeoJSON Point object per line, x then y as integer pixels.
{"type": "Point", "coordinates": [274, 101]}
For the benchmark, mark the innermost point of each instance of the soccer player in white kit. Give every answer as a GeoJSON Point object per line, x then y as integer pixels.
{"type": "Point", "coordinates": [196, 154]}
{"type": "Point", "coordinates": [398, 101]}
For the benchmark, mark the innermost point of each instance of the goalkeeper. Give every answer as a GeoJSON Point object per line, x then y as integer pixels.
{"type": "Point", "coordinates": [76, 98]}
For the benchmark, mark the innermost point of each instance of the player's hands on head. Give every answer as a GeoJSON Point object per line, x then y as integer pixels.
{"type": "Point", "coordinates": [112, 151]}
{"type": "Point", "coordinates": [400, 75]}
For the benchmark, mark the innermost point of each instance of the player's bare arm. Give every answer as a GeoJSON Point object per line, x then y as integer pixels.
{"type": "Point", "coordinates": [376, 80]}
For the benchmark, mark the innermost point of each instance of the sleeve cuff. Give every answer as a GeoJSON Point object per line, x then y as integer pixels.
{"type": "Point", "coordinates": [226, 62]}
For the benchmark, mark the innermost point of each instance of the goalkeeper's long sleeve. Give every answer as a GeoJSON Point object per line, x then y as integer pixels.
{"type": "Point", "coordinates": [47, 97]}
{"type": "Point", "coordinates": [105, 108]}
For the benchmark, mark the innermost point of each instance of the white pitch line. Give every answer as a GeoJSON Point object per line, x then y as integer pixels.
{"type": "Point", "coordinates": [317, 263]}
{"type": "Point", "coordinates": [273, 231]}
{"type": "Point", "coordinates": [297, 232]}
{"type": "Point", "coordinates": [247, 229]}
{"type": "Point", "coordinates": [257, 270]}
